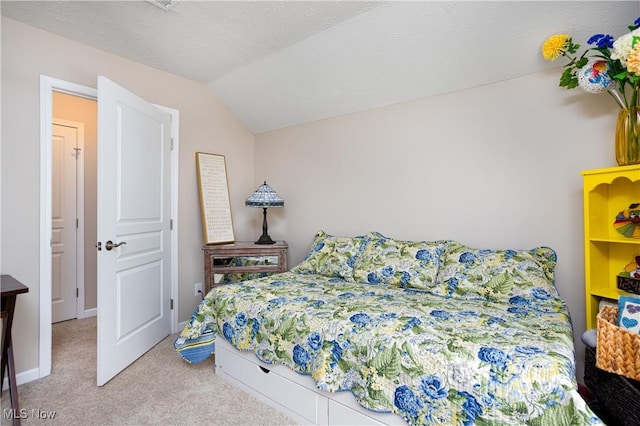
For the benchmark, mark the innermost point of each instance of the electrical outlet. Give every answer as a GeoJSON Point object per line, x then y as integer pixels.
{"type": "Point", "coordinates": [198, 289]}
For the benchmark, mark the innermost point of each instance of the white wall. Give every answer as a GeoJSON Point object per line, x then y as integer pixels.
{"type": "Point", "coordinates": [495, 166]}
{"type": "Point", "coordinates": [205, 125]}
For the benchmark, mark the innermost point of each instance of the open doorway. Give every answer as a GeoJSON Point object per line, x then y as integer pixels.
{"type": "Point", "coordinates": [48, 87]}
{"type": "Point", "coordinates": [74, 206]}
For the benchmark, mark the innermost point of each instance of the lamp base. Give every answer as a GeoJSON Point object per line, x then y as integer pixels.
{"type": "Point", "coordinates": [265, 239]}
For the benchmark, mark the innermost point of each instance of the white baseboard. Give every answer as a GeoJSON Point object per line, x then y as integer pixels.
{"type": "Point", "coordinates": [181, 326]}
{"type": "Point", "coordinates": [87, 313]}
{"type": "Point", "coordinates": [24, 377]}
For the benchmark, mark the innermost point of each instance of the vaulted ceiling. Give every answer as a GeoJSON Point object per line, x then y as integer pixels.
{"type": "Point", "coordinates": [277, 64]}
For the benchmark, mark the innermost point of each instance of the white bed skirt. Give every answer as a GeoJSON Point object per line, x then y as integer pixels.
{"type": "Point", "coordinates": [293, 394]}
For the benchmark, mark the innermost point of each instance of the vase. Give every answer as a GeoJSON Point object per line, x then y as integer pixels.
{"type": "Point", "coordinates": [628, 136]}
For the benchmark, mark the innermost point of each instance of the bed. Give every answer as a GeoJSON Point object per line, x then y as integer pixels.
{"type": "Point", "coordinates": [375, 330]}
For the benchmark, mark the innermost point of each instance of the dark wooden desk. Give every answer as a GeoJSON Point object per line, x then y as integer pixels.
{"type": "Point", "coordinates": [10, 288]}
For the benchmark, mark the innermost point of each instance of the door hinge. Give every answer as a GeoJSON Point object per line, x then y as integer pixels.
{"type": "Point", "coordinates": [170, 224]}
{"type": "Point", "coordinates": [171, 144]}
{"type": "Point", "coordinates": [77, 292]}
{"type": "Point", "coordinates": [172, 304]}
{"type": "Point", "coordinates": [77, 223]}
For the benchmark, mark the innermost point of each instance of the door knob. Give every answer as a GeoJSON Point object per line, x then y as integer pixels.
{"type": "Point", "coordinates": [110, 245]}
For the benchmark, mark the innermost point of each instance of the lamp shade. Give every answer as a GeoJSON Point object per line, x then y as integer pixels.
{"type": "Point", "coordinates": [264, 197]}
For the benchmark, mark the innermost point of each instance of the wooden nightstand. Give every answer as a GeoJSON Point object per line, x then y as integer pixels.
{"type": "Point", "coordinates": [232, 258]}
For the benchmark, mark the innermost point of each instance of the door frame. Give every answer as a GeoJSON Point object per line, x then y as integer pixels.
{"type": "Point", "coordinates": [80, 313]}
{"type": "Point", "coordinates": [47, 86]}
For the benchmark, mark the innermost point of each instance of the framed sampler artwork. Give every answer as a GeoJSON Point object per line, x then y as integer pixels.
{"type": "Point", "coordinates": [217, 226]}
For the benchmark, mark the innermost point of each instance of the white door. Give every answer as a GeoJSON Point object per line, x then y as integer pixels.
{"type": "Point", "coordinates": [134, 205]}
{"type": "Point", "coordinates": [64, 155]}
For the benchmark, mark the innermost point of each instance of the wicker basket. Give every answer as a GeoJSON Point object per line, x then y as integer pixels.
{"type": "Point", "coordinates": [616, 398]}
{"type": "Point", "coordinates": [617, 350]}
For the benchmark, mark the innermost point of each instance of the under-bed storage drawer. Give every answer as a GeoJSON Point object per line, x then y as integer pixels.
{"type": "Point", "coordinates": [291, 396]}
{"type": "Point", "coordinates": [341, 415]}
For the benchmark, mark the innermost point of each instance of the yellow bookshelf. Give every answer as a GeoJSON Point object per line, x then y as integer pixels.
{"type": "Point", "coordinates": [607, 252]}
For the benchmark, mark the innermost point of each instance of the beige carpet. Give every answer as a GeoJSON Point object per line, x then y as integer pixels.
{"type": "Point", "coordinates": [159, 388]}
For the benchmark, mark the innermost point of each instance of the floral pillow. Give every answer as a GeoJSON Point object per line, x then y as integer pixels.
{"type": "Point", "coordinates": [407, 264]}
{"type": "Point", "coordinates": [331, 256]}
{"type": "Point", "coordinates": [495, 274]}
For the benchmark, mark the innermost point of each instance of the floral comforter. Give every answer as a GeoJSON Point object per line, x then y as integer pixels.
{"type": "Point", "coordinates": [428, 358]}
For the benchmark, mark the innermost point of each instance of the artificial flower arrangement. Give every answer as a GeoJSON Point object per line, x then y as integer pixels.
{"type": "Point", "coordinates": [599, 69]}
{"type": "Point", "coordinates": [607, 66]}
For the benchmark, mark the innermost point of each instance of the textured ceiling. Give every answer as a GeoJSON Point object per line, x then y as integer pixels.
{"type": "Point", "coordinates": [277, 64]}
